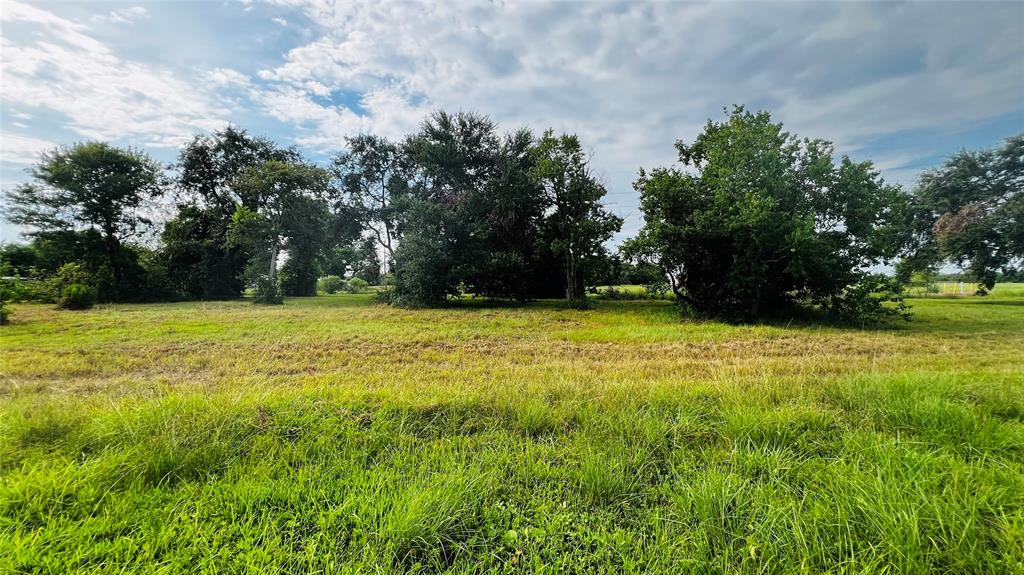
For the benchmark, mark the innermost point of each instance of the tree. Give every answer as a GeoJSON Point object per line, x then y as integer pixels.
{"type": "Point", "coordinates": [306, 241]}
{"type": "Point", "coordinates": [195, 247]}
{"type": "Point", "coordinates": [970, 211]}
{"type": "Point", "coordinates": [580, 224]}
{"type": "Point", "coordinates": [453, 157]}
{"type": "Point", "coordinates": [290, 213]}
{"type": "Point", "coordinates": [759, 221]}
{"type": "Point", "coordinates": [374, 178]}
{"type": "Point", "coordinates": [209, 167]}
{"type": "Point", "coordinates": [92, 185]}
{"type": "Point", "coordinates": [200, 263]}
{"type": "Point", "coordinates": [505, 216]}
{"type": "Point", "coordinates": [366, 264]}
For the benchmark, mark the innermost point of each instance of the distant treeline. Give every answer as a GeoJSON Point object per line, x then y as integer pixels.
{"type": "Point", "coordinates": [754, 221]}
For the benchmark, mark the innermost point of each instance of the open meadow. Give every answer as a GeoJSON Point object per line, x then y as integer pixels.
{"type": "Point", "coordinates": [335, 435]}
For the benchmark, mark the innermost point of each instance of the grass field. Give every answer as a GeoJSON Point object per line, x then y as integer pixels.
{"type": "Point", "coordinates": [333, 435]}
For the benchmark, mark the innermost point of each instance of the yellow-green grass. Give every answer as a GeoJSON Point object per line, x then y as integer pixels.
{"type": "Point", "coordinates": [333, 435]}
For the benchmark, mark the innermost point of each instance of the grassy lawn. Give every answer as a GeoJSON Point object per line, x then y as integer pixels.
{"type": "Point", "coordinates": [332, 435]}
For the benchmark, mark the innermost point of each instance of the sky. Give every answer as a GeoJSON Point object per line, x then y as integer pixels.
{"type": "Point", "coordinates": [901, 84]}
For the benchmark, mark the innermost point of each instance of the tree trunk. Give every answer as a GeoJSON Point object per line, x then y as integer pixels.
{"type": "Point", "coordinates": [273, 260]}
{"type": "Point", "coordinates": [570, 277]}
{"type": "Point", "coordinates": [113, 248]}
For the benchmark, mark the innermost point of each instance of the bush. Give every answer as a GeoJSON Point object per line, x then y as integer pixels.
{"type": "Point", "coordinates": [77, 296]}
{"type": "Point", "coordinates": [871, 300]}
{"type": "Point", "coordinates": [658, 289]}
{"type": "Point", "coordinates": [267, 291]}
{"type": "Point", "coordinates": [16, 290]}
{"type": "Point", "coordinates": [357, 285]}
{"type": "Point", "coordinates": [331, 284]}
{"type": "Point", "coordinates": [387, 295]}
{"type": "Point", "coordinates": [650, 291]}
{"type": "Point", "coordinates": [52, 289]}
{"type": "Point", "coordinates": [5, 310]}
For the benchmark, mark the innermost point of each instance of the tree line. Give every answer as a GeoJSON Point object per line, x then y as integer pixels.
{"type": "Point", "coordinates": [753, 221]}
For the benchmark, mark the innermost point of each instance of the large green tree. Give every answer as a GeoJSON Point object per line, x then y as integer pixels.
{"type": "Point", "coordinates": [373, 175]}
{"type": "Point", "coordinates": [453, 158]}
{"type": "Point", "coordinates": [198, 257]}
{"type": "Point", "coordinates": [471, 216]}
{"type": "Point", "coordinates": [579, 225]}
{"type": "Point", "coordinates": [96, 189]}
{"type": "Point", "coordinates": [758, 220]}
{"type": "Point", "coordinates": [291, 215]}
{"type": "Point", "coordinates": [970, 212]}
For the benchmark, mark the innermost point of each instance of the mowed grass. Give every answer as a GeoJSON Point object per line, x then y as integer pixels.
{"type": "Point", "coordinates": [333, 435]}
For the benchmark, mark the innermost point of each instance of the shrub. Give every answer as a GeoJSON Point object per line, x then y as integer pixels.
{"type": "Point", "coordinates": [15, 290]}
{"type": "Point", "coordinates": [267, 291]}
{"type": "Point", "coordinates": [387, 295]}
{"type": "Point", "coordinates": [658, 289]}
{"type": "Point", "coordinates": [357, 285]}
{"type": "Point", "coordinates": [52, 289]}
{"type": "Point", "coordinates": [77, 296]}
{"type": "Point", "coordinates": [331, 284]}
{"type": "Point", "coordinates": [5, 310]}
{"type": "Point", "coordinates": [873, 299]}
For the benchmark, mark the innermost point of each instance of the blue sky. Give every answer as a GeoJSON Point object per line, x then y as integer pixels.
{"type": "Point", "coordinates": [901, 84]}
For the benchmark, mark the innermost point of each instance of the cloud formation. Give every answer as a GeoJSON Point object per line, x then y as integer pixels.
{"type": "Point", "coordinates": [899, 83]}
{"type": "Point", "coordinates": [63, 69]}
{"type": "Point", "coordinates": [632, 78]}
{"type": "Point", "coordinates": [123, 16]}
{"type": "Point", "coordinates": [23, 150]}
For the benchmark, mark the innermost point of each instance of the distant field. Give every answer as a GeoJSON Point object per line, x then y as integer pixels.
{"type": "Point", "coordinates": [1001, 290]}
{"type": "Point", "coordinates": [333, 435]}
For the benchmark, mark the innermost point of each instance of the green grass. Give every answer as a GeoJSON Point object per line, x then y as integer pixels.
{"type": "Point", "coordinates": [332, 435]}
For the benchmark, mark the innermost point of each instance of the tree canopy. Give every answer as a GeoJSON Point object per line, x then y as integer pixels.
{"type": "Point", "coordinates": [759, 221]}
{"type": "Point", "coordinates": [90, 196]}
{"type": "Point", "coordinates": [753, 222]}
{"type": "Point", "coordinates": [970, 212]}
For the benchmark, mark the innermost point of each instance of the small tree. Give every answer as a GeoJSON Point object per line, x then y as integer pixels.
{"type": "Point", "coordinates": [760, 221]}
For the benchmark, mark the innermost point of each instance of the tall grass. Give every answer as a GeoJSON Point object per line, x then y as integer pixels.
{"type": "Point", "coordinates": [335, 436]}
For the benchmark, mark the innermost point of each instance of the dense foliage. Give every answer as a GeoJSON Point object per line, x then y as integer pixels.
{"type": "Point", "coordinates": [198, 253]}
{"type": "Point", "coordinates": [758, 221]}
{"type": "Point", "coordinates": [970, 212]}
{"type": "Point", "coordinates": [755, 222]}
{"type": "Point", "coordinates": [84, 202]}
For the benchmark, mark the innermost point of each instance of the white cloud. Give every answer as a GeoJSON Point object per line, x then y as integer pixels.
{"type": "Point", "coordinates": [123, 16]}
{"type": "Point", "coordinates": [632, 78]}
{"type": "Point", "coordinates": [22, 150]}
{"type": "Point", "coordinates": [228, 77]}
{"type": "Point", "coordinates": [629, 78]}
{"type": "Point", "coordinates": [103, 96]}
